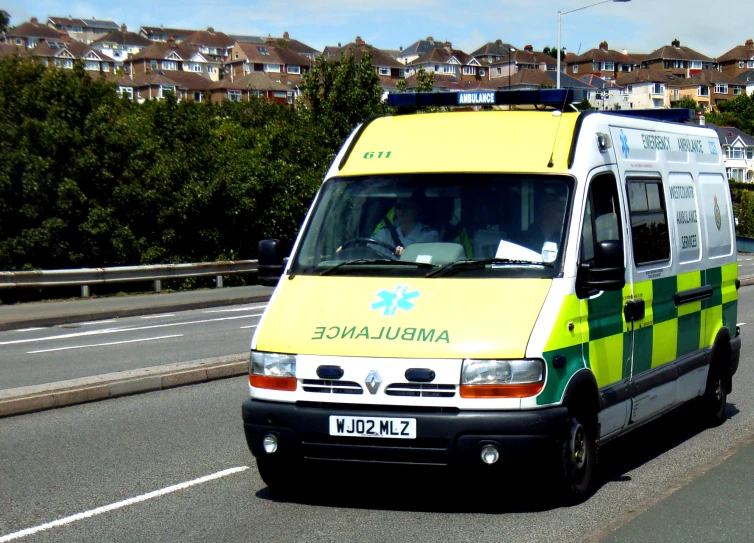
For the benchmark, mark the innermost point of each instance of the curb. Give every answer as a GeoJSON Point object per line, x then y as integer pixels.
{"type": "Point", "coordinates": [17, 401]}
{"type": "Point", "coordinates": [129, 312]}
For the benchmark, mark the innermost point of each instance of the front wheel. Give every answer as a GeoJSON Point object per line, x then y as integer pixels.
{"type": "Point", "coordinates": [712, 403]}
{"type": "Point", "coordinates": [578, 460]}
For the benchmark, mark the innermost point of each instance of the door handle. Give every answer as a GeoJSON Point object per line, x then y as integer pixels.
{"type": "Point", "coordinates": [634, 310]}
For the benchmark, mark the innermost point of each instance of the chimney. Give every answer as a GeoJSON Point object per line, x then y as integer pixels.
{"type": "Point", "coordinates": [34, 21]}
{"type": "Point", "coordinates": [676, 43]}
{"type": "Point", "coordinates": [448, 46]}
{"type": "Point", "coordinates": [270, 40]}
{"type": "Point", "coordinates": [749, 43]}
{"type": "Point", "coordinates": [123, 28]}
{"type": "Point", "coordinates": [529, 48]}
{"type": "Point", "coordinates": [211, 30]}
{"type": "Point", "coordinates": [430, 38]}
{"type": "Point", "coordinates": [171, 41]}
{"type": "Point", "coordinates": [603, 46]}
{"type": "Point", "coordinates": [625, 51]}
{"type": "Point", "coordinates": [359, 41]}
{"type": "Point", "coordinates": [286, 36]}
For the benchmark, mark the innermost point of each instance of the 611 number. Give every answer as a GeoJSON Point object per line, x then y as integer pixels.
{"type": "Point", "coordinates": [380, 154]}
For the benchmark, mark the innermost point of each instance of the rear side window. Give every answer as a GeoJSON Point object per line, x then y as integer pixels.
{"type": "Point", "coordinates": [649, 221]}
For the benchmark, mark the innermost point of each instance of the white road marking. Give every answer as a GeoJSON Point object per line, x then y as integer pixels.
{"type": "Point", "coordinates": [27, 329]}
{"type": "Point", "coordinates": [103, 344]}
{"type": "Point", "coordinates": [89, 323]}
{"type": "Point", "coordinates": [125, 329]}
{"type": "Point", "coordinates": [250, 326]}
{"type": "Point", "coordinates": [118, 505]}
{"type": "Point", "coordinates": [158, 316]}
{"type": "Point", "coordinates": [741, 324]}
{"type": "Point", "coordinates": [234, 309]}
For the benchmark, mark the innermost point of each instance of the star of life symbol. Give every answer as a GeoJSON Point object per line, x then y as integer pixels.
{"type": "Point", "coordinates": [624, 144]}
{"type": "Point", "coordinates": [390, 302]}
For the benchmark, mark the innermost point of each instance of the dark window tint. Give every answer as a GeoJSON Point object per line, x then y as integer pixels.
{"type": "Point", "coordinates": [601, 216]}
{"type": "Point", "coordinates": [649, 224]}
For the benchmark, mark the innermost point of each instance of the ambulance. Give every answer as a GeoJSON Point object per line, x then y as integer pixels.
{"type": "Point", "coordinates": [497, 289]}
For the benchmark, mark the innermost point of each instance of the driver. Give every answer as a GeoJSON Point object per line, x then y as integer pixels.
{"type": "Point", "coordinates": [407, 225]}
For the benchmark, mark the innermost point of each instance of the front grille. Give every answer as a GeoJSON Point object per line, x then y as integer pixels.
{"type": "Point", "coordinates": [326, 386]}
{"type": "Point", "coordinates": [420, 451]}
{"type": "Point", "coordinates": [379, 409]}
{"type": "Point", "coordinates": [421, 390]}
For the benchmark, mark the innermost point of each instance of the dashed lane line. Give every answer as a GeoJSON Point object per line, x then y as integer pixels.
{"type": "Point", "coordinates": [103, 344]}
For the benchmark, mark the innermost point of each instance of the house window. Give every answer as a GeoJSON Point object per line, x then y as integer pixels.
{"type": "Point", "coordinates": [437, 68]}
{"type": "Point", "coordinates": [19, 41]}
{"type": "Point", "coordinates": [196, 67]}
{"type": "Point", "coordinates": [721, 88]}
{"type": "Point", "coordinates": [676, 94]}
{"type": "Point", "coordinates": [696, 64]}
{"type": "Point", "coordinates": [384, 71]}
{"type": "Point", "coordinates": [741, 64]}
{"type": "Point", "coordinates": [234, 95]}
{"type": "Point", "coordinates": [33, 42]}
{"type": "Point", "coordinates": [575, 68]}
{"type": "Point", "coordinates": [294, 69]}
{"type": "Point", "coordinates": [735, 174]}
{"type": "Point", "coordinates": [596, 66]}
{"type": "Point", "coordinates": [749, 153]}
{"type": "Point", "coordinates": [153, 64]}
{"type": "Point", "coordinates": [127, 91]}
{"type": "Point", "coordinates": [608, 66]}
{"type": "Point", "coordinates": [658, 88]}
{"type": "Point", "coordinates": [164, 89]}
{"type": "Point", "coordinates": [105, 66]}
{"type": "Point", "coordinates": [197, 97]}
{"type": "Point", "coordinates": [703, 90]}
{"type": "Point", "coordinates": [750, 64]}
{"type": "Point", "coordinates": [272, 68]}
{"type": "Point", "coordinates": [169, 65]}
{"type": "Point", "coordinates": [625, 67]}
{"type": "Point", "coordinates": [629, 89]}
{"type": "Point", "coordinates": [263, 51]}
{"type": "Point", "coordinates": [469, 70]}
{"type": "Point", "coordinates": [499, 71]}
{"type": "Point", "coordinates": [481, 72]}
{"type": "Point", "coordinates": [91, 65]}
{"type": "Point", "coordinates": [736, 91]}
{"type": "Point", "coordinates": [737, 153]}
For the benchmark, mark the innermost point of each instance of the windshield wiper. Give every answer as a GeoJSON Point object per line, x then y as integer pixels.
{"type": "Point", "coordinates": [476, 263]}
{"type": "Point", "coordinates": [368, 261]}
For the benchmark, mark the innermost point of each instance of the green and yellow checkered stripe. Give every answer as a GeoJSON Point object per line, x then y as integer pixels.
{"type": "Point", "coordinates": [602, 340]}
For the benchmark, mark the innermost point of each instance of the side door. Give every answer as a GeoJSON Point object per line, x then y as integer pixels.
{"type": "Point", "coordinates": [608, 349]}
{"type": "Point", "coordinates": [653, 316]}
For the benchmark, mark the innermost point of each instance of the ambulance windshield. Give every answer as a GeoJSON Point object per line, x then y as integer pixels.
{"type": "Point", "coordinates": [414, 225]}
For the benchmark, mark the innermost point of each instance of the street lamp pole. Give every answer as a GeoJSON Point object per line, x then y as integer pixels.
{"type": "Point", "coordinates": [560, 14]}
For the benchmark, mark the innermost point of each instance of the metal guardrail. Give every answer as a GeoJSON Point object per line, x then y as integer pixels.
{"type": "Point", "coordinates": [744, 245]}
{"type": "Point", "coordinates": [97, 276]}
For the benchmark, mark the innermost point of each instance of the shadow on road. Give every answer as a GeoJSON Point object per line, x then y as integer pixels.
{"type": "Point", "coordinates": [446, 491]}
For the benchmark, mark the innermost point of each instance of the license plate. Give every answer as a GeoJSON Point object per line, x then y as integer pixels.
{"type": "Point", "coordinates": [373, 427]}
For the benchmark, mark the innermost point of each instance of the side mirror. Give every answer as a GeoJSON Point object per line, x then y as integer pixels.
{"type": "Point", "coordinates": [607, 272]}
{"type": "Point", "coordinates": [270, 262]}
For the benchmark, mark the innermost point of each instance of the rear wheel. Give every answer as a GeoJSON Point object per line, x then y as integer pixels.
{"type": "Point", "coordinates": [712, 403]}
{"type": "Point", "coordinates": [578, 460]}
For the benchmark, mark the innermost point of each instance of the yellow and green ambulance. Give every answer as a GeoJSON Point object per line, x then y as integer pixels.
{"type": "Point", "coordinates": [482, 289]}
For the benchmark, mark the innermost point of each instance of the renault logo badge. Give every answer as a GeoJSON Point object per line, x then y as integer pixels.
{"type": "Point", "coordinates": [373, 381]}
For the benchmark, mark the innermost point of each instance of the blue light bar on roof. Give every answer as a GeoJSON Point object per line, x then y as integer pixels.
{"type": "Point", "coordinates": [557, 98]}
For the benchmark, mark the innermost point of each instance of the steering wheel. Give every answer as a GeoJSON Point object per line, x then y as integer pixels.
{"type": "Point", "coordinates": [366, 241]}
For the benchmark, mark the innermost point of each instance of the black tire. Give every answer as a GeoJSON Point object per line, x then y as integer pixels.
{"type": "Point", "coordinates": [281, 480]}
{"type": "Point", "coordinates": [578, 457]}
{"type": "Point", "coordinates": [712, 404]}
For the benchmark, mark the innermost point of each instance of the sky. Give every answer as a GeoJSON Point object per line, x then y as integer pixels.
{"type": "Point", "coordinates": [639, 26]}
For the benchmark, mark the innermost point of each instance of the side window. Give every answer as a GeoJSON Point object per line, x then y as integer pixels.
{"type": "Point", "coordinates": [649, 223]}
{"type": "Point", "coordinates": [601, 215]}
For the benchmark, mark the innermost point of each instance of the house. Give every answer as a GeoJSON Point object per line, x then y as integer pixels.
{"type": "Point", "coordinates": [678, 60]}
{"type": "Point", "coordinates": [286, 41]}
{"type": "Point", "coordinates": [159, 33]}
{"type": "Point", "coordinates": [155, 85]}
{"type": "Point", "coordinates": [279, 64]}
{"type": "Point", "coordinates": [32, 33]}
{"type": "Point", "coordinates": [265, 88]}
{"type": "Point", "coordinates": [417, 49]}
{"type": "Point", "coordinates": [602, 62]}
{"type": "Point", "coordinates": [451, 83]}
{"type": "Point", "coordinates": [448, 61]}
{"type": "Point", "coordinates": [522, 59]}
{"type": "Point", "coordinates": [534, 78]}
{"type": "Point", "coordinates": [645, 88]}
{"type": "Point", "coordinates": [121, 44]}
{"type": "Point", "coordinates": [174, 56]}
{"type": "Point", "coordinates": [209, 42]}
{"type": "Point", "coordinates": [607, 95]}
{"type": "Point", "coordinates": [747, 79]}
{"type": "Point", "coordinates": [738, 60]}
{"type": "Point", "coordinates": [85, 30]}
{"type": "Point", "coordinates": [708, 88]}
{"type": "Point", "coordinates": [389, 69]}
{"type": "Point", "coordinates": [738, 150]}
{"type": "Point", "coordinates": [63, 55]}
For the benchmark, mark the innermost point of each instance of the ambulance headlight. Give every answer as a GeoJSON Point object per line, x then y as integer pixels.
{"type": "Point", "coordinates": [273, 364]}
{"type": "Point", "coordinates": [502, 378]}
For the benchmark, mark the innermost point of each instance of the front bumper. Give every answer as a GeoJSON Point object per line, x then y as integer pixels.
{"type": "Point", "coordinates": [444, 437]}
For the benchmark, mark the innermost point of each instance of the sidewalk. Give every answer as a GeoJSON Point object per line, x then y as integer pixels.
{"type": "Point", "coordinates": [13, 317]}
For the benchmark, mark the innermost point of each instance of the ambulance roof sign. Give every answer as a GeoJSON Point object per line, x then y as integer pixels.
{"type": "Point", "coordinates": [557, 98]}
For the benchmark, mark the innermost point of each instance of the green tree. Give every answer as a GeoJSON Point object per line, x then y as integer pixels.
{"type": "Point", "coordinates": [425, 81]}
{"type": "Point", "coordinates": [4, 20]}
{"type": "Point", "coordinates": [738, 112]}
{"type": "Point", "coordinates": [743, 209]}
{"type": "Point", "coordinates": [687, 103]}
{"type": "Point", "coordinates": [341, 95]}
